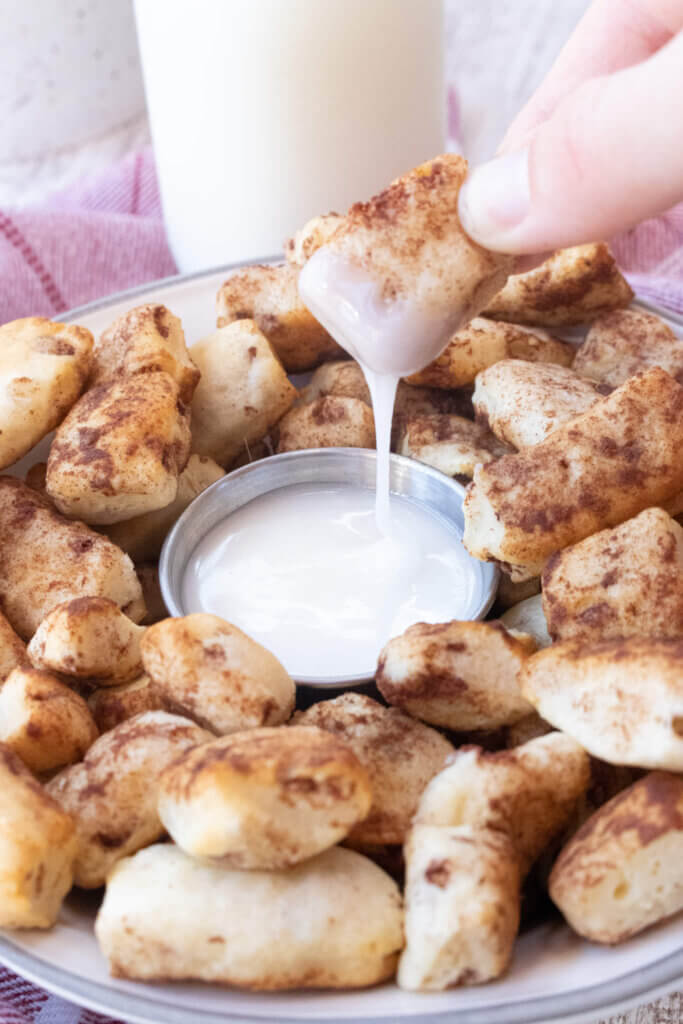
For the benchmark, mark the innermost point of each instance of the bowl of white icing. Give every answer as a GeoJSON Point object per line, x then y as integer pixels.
{"type": "Point", "coordinates": [289, 550]}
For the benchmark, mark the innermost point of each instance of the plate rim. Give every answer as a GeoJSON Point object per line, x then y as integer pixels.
{"type": "Point", "coordinates": [628, 989]}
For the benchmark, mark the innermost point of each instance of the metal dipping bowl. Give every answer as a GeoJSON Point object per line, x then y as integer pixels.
{"type": "Point", "coordinates": [354, 466]}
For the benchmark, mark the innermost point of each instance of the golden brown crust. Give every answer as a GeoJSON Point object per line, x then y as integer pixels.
{"type": "Point", "coordinates": [44, 721]}
{"type": "Point", "coordinates": [284, 796]}
{"type": "Point", "coordinates": [619, 457]}
{"type": "Point", "coordinates": [112, 705]}
{"type": "Point", "coordinates": [12, 649]}
{"type": "Point", "coordinates": [243, 392]}
{"type": "Point", "coordinates": [44, 367]}
{"type": "Point", "coordinates": [46, 559]}
{"type": "Point", "coordinates": [399, 754]}
{"type": "Point", "coordinates": [269, 295]}
{"type": "Point", "coordinates": [328, 422]}
{"type": "Point", "coordinates": [207, 669]}
{"type": "Point", "coordinates": [625, 581]}
{"type": "Point", "coordinates": [460, 675]}
{"type": "Point", "coordinates": [120, 450]}
{"type": "Point", "coordinates": [627, 341]}
{"type": "Point", "coordinates": [147, 339]}
{"type": "Point", "coordinates": [573, 286]}
{"type": "Point", "coordinates": [112, 793]}
{"type": "Point", "coordinates": [482, 343]}
{"type": "Point", "coordinates": [315, 232]}
{"type": "Point", "coordinates": [621, 871]}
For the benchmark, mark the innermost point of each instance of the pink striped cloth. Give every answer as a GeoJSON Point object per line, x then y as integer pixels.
{"type": "Point", "coordinates": [104, 235]}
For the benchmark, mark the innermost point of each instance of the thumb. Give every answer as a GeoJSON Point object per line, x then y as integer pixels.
{"type": "Point", "coordinates": [609, 156]}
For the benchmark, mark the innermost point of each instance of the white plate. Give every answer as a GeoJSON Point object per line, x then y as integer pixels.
{"type": "Point", "coordinates": [555, 976]}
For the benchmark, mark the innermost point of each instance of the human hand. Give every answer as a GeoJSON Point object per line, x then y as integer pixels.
{"type": "Point", "coordinates": [599, 146]}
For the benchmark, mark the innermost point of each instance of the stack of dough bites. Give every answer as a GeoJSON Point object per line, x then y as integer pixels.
{"type": "Point", "coordinates": [244, 842]}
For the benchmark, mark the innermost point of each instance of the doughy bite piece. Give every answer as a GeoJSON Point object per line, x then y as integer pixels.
{"type": "Point", "coordinates": [43, 369]}
{"type": "Point", "coordinates": [528, 617]}
{"type": "Point", "coordinates": [329, 422]}
{"type": "Point", "coordinates": [524, 402]}
{"type": "Point", "coordinates": [44, 721]}
{"type": "Point", "coordinates": [613, 461]}
{"type": "Point", "coordinates": [120, 450]}
{"type": "Point", "coordinates": [146, 339]}
{"type": "Point", "coordinates": [209, 670]}
{"type": "Point", "coordinates": [316, 232]}
{"type": "Point", "coordinates": [265, 798]}
{"type": "Point", "coordinates": [461, 907]}
{"type": "Point", "coordinates": [622, 700]}
{"type": "Point", "coordinates": [46, 559]}
{"type": "Point", "coordinates": [334, 921]}
{"type": "Point", "coordinates": [459, 675]}
{"type": "Point", "coordinates": [483, 342]}
{"type": "Point", "coordinates": [624, 581]}
{"type": "Point", "coordinates": [112, 793]}
{"type": "Point", "coordinates": [529, 793]}
{"type": "Point", "coordinates": [37, 848]}
{"type": "Point", "coordinates": [626, 341]}
{"type": "Point", "coordinates": [343, 378]}
{"type": "Point", "coordinates": [269, 295]}
{"type": "Point", "coordinates": [623, 870]}
{"type": "Point", "coordinates": [88, 638]}
{"type": "Point", "coordinates": [12, 649]}
{"type": "Point", "coordinates": [399, 755]}
{"type": "Point", "coordinates": [242, 393]}
{"type": "Point", "coordinates": [112, 705]}
{"type": "Point", "coordinates": [143, 536]}
{"type": "Point", "coordinates": [450, 443]}
{"type": "Point", "coordinates": [573, 286]}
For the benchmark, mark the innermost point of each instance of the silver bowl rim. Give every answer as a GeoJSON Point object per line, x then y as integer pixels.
{"type": "Point", "coordinates": [169, 593]}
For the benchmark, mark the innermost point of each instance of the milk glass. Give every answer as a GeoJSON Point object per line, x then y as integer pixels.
{"type": "Point", "coordinates": [267, 112]}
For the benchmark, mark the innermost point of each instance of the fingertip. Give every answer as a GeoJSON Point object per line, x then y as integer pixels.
{"type": "Point", "coordinates": [495, 199]}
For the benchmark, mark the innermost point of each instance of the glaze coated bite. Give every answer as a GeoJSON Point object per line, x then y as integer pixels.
{"type": "Point", "coordinates": [37, 848]}
{"type": "Point", "coordinates": [334, 921]}
{"type": "Point", "coordinates": [613, 461]}
{"type": "Point", "coordinates": [266, 798]}
{"type": "Point", "coordinates": [573, 286]}
{"type": "Point", "coordinates": [623, 870]}
{"type": "Point", "coordinates": [460, 675]}
{"type": "Point", "coordinates": [452, 444]}
{"type": "Point", "coordinates": [399, 755]}
{"type": "Point", "coordinates": [120, 450]}
{"type": "Point", "coordinates": [204, 667]}
{"type": "Point", "coordinates": [113, 792]}
{"type": "Point", "coordinates": [625, 581]}
{"type": "Point", "coordinates": [43, 369]}
{"type": "Point", "coordinates": [46, 559]}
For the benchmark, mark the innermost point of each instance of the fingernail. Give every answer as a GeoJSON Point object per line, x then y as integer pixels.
{"type": "Point", "coordinates": [495, 199]}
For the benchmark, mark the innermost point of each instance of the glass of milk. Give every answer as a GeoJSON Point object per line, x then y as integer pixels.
{"type": "Point", "coordinates": [265, 113]}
